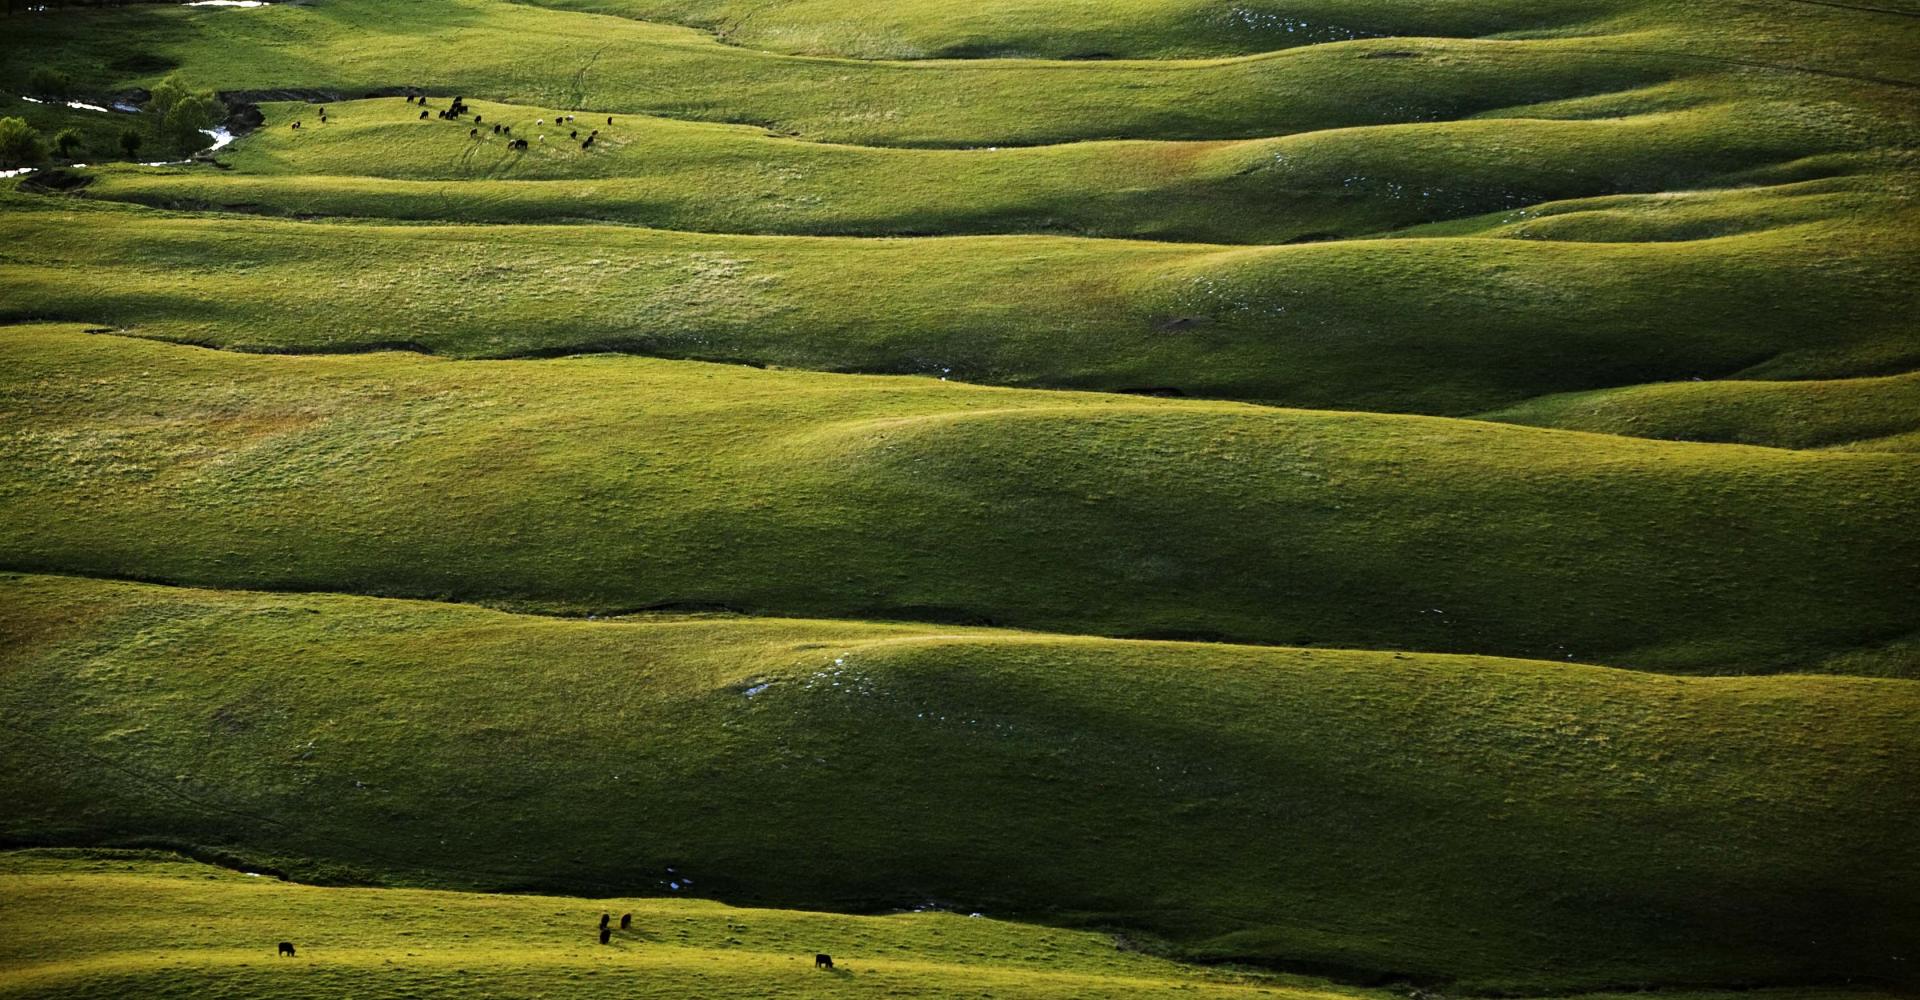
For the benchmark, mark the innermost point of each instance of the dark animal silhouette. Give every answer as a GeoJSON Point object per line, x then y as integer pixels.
{"type": "Point", "coordinates": [423, 116]}
{"type": "Point", "coordinates": [609, 119]}
{"type": "Point", "coordinates": [323, 119]}
{"type": "Point", "coordinates": [508, 129]}
{"type": "Point", "coordinates": [476, 119]}
{"type": "Point", "coordinates": [605, 935]}
{"type": "Point", "coordinates": [605, 919]}
{"type": "Point", "coordinates": [286, 948]}
{"type": "Point", "coordinates": [296, 125]}
{"type": "Point", "coordinates": [473, 133]}
{"type": "Point", "coordinates": [517, 144]}
{"type": "Point", "coordinates": [496, 128]}
{"type": "Point", "coordinates": [587, 144]}
{"type": "Point", "coordinates": [823, 961]}
{"type": "Point", "coordinates": [575, 134]}
{"type": "Point", "coordinates": [626, 921]}
{"type": "Point", "coordinates": [323, 112]}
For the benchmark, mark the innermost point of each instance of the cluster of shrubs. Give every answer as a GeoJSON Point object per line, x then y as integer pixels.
{"type": "Point", "coordinates": [175, 117]}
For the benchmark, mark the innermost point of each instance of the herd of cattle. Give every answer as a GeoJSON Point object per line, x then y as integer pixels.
{"type": "Point", "coordinates": [458, 112]}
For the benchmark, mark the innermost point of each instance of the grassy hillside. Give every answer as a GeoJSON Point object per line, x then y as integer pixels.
{"type": "Point", "coordinates": [153, 925]}
{"type": "Point", "coordinates": [1409, 492]}
{"type": "Point", "coordinates": [1500, 823]}
{"type": "Point", "coordinates": [1870, 414]}
{"type": "Point", "coordinates": [1080, 29]}
{"type": "Point", "coordinates": [131, 923]}
{"type": "Point", "coordinates": [607, 482]}
{"type": "Point", "coordinates": [1473, 324]}
{"type": "Point", "coordinates": [376, 158]}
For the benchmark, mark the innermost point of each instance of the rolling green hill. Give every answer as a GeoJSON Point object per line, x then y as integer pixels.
{"type": "Point", "coordinates": [616, 483]}
{"type": "Point", "coordinates": [1473, 324]}
{"type": "Point", "coordinates": [1342, 499]}
{"type": "Point", "coordinates": [119, 923]}
{"type": "Point", "coordinates": [1498, 823]}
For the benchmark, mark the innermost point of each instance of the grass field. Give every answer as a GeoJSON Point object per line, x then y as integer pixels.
{"type": "Point", "coordinates": [1327, 500]}
{"type": "Point", "coordinates": [176, 925]}
{"type": "Point", "coordinates": [614, 483]}
{"type": "Point", "coordinates": [1439, 817]}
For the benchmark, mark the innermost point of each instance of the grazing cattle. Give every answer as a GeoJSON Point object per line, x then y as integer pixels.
{"type": "Point", "coordinates": [539, 121]}
{"type": "Point", "coordinates": [520, 144]}
{"type": "Point", "coordinates": [626, 921]}
{"type": "Point", "coordinates": [575, 134]}
{"type": "Point", "coordinates": [476, 119]}
{"type": "Point", "coordinates": [423, 116]}
{"type": "Point", "coordinates": [286, 948]}
{"type": "Point", "coordinates": [605, 919]}
{"type": "Point", "coordinates": [296, 126]}
{"type": "Point", "coordinates": [496, 128]}
{"type": "Point", "coordinates": [823, 961]}
{"type": "Point", "coordinates": [473, 133]}
{"type": "Point", "coordinates": [323, 119]}
{"type": "Point", "coordinates": [323, 112]}
{"type": "Point", "coordinates": [587, 144]}
{"type": "Point", "coordinates": [508, 129]}
{"type": "Point", "coordinates": [605, 935]}
{"type": "Point", "coordinates": [609, 119]}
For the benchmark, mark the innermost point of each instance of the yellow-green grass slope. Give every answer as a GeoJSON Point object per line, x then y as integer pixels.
{"type": "Point", "coordinates": [612, 482]}
{"type": "Point", "coordinates": [126, 923]}
{"type": "Point", "coordinates": [118, 924]}
{"type": "Point", "coordinates": [1499, 824]}
{"type": "Point", "coordinates": [1454, 325]}
{"type": "Point", "coordinates": [378, 158]}
{"type": "Point", "coordinates": [559, 59]}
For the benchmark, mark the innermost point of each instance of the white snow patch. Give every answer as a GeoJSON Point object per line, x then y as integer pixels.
{"type": "Point", "coordinates": [757, 688]}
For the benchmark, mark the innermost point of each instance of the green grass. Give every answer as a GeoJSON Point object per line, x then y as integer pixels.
{"type": "Point", "coordinates": [1473, 324]}
{"type": "Point", "coordinates": [137, 923]}
{"type": "Point", "coordinates": [1522, 344]}
{"type": "Point", "coordinates": [611, 482]}
{"type": "Point", "coordinates": [1857, 414]}
{"type": "Point", "coordinates": [376, 158]}
{"type": "Point", "coordinates": [1078, 29]}
{"type": "Point", "coordinates": [1499, 824]}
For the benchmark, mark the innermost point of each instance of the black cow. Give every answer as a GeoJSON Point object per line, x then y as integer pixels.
{"type": "Point", "coordinates": [477, 118]}
{"type": "Point", "coordinates": [605, 935]}
{"type": "Point", "coordinates": [605, 919]}
{"type": "Point", "coordinates": [823, 961]}
{"type": "Point", "coordinates": [496, 128]}
{"type": "Point", "coordinates": [423, 116]}
{"type": "Point", "coordinates": [473, 133]}
{"type": "Point", "coordinates": [575, 134]}
{"type": "Point", "coordinates": [609, 119]}
{"type": "Point", "coordinates": [626, 921]}
{"type": "Point", "coordinates": [286, 948]}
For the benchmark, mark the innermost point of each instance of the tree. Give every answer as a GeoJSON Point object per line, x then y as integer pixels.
{"type": "Point", "coordinates": [66, 141]}
{"type": "Point", "coordinates": [19, 143]}
{"type": "Point", "coordinates": [130, 142]}
{"type": "Point", "coordinates": [185, 120]}
{"type": "Point", "coordinates": [166, 93]}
